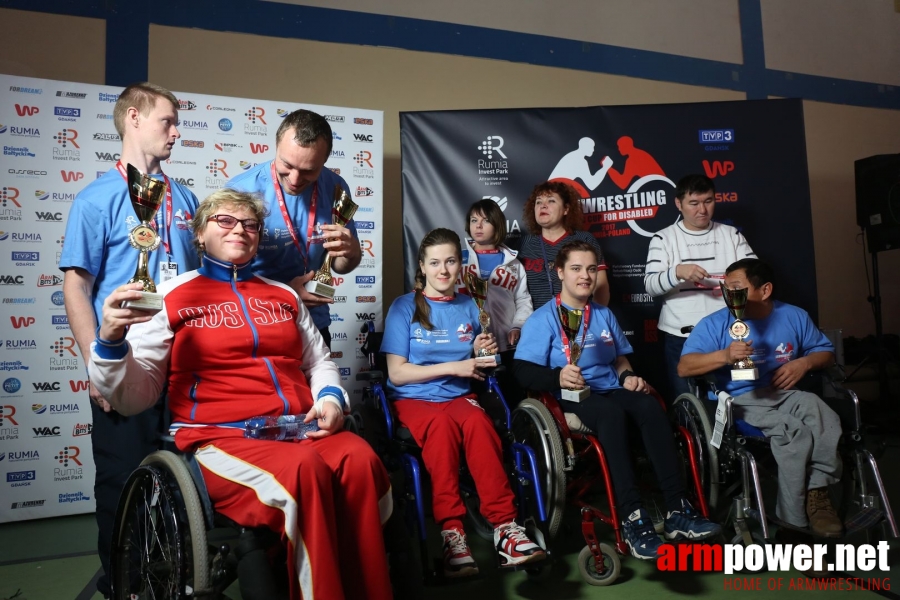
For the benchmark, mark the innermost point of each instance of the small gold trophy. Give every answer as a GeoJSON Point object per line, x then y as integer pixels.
{"type": "Point", "coordinates": [736, 301]}
{"type": "Point", "coordinates": [322, 283]}
{"type": "Point", "coordinates": [478, 289]}
{"type": "Point", "coordinates": [571, 323]}
{"type": "Point", "coordinates": [146, 197]}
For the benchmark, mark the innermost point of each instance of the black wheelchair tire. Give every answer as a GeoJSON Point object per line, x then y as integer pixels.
{"type": "Point", "coordinates": [163, 484]}
{"type": "Point", "coordinates": [689, 411]}
{"type": "Point", "coordinates": [533, 425]}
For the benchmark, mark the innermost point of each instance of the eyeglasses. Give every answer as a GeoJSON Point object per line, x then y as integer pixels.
{"type": "Point", "coordinates": [229, 222]}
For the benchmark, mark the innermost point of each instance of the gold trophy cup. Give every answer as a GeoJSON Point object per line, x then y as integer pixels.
{"type": "Point", "coordinates": [571, 323]}
{"type": "Point", "coordinates": [322, 283]}
{"type": "Point", "coordinates": [478, 289]}
{"type": "Point", "coordinates": [146, 197]}
{"type": "Point", "coordinates": [736, 301]}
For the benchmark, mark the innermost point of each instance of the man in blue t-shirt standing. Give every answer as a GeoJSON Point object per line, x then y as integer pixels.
{"type": "Point", "coordinates": [299, 193]}
{"type": "Point", "coordinates": [97, 258]}
{"type": "Point", "coordinates": [784, 345]}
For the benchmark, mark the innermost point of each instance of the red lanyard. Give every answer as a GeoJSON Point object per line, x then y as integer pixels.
{"type": "Point", "coordinates": [562, 331]}
{"type": "Point", "coordinates": [494, 251]}
{"type": "Point", "coordinates": [439, 298]}
{"type": "Point", "coordinates": [311, 220]}
{"type": "Point", "coordinates": [168, 209]}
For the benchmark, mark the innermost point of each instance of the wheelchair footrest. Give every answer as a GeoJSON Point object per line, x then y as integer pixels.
{"type": "Point", "coordinates": [864, 519]}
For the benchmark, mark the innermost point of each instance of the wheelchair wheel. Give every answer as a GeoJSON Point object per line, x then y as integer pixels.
{"type": "Point", "coordinates": [690, 412]}
{"type": "Point", "coordinates": [159, 539]}
{"type": "Point", "coordinates": [533, 425]}
{"type": "Point", "coordinates": [587, 566]}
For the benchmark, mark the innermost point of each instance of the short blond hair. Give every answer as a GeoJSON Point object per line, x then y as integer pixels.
{"type": "Point", "coordinates": [141, 96]}
{"type": "Point", "coordinates": [226, 197]}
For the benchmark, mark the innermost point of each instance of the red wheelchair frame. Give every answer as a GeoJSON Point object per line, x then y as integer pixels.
{"type": "Point", "coordinates": [578, 447]}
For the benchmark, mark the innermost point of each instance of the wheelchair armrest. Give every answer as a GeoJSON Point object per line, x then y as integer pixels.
{"type": "Point", "coordinates": [373, 375]}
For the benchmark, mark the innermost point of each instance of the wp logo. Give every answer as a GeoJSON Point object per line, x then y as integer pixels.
{"type": "Point", "coordinates": [258, 148]}
{"type": "Point", "coordinates": [69, 176]}
{"type": "Point", "coordinates": [23, 111]}
{"type": "Point", "coordinates": [717, 168]}
{"type": "Point", "coordinates": [79, 386]}
{"type": "Point", "coordinates": [18, 322]}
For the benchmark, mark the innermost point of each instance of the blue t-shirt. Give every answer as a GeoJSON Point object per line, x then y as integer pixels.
{"type": "Point", "coordinates": [278, 258]}
{"type": "Point", "coordinates": [455, 327]}
{"type": "Point", "coordinates": [787, 333]}
{"type": "Point", "coordinates": [487, 262]}
{"type": "Point", "coordinates": [97, 235]}
{"type": "Point", "coordinates": [604, 341]}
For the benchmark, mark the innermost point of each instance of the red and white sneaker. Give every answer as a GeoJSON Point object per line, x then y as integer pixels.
{"type": "Point", "coordinates": [514, 546]}
{"type": "Point", "coordinates": [458, 561]}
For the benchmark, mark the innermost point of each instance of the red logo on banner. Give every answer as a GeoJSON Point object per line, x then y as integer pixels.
{"type": "Point", "coordinates": [717, 168]}
{"type": "Point", "coordinates": [258, 148]}
{"type": "Point", "coordinates": [79, 386]}
{"type": "Point", "coordinates": [71, 175]}
{"type": "Point", "coordinates": [18, 322]}
{"type": "Point", "coordinates": [27, 110]}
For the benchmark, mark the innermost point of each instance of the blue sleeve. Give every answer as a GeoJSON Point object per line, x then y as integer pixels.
{"type": "Point", "coordinates": [85, 238]}
{"type": "Point", "coordinates": [623, 346]}
{"type": "Point", "coordinates": [396, 329]}
{"type": "Point", "coordinates": [535, 341]}
{"type": "Point", "coordinates": [811, 338]}
{"type": "Point", "coordinates": [703, 339]}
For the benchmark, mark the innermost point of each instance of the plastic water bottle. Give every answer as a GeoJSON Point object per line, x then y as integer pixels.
{"type": "Point", "coordinates": [285, 427]}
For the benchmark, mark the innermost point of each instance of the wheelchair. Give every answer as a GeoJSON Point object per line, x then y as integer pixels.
{"type": "Point", "coordinates": [162, 545]}
{"type": "Point", "coordinates": [374, 420]}
{"type": "Point", "coordinates": [574, 461]}
{"type": "Point", "coordinates": [731, 470]}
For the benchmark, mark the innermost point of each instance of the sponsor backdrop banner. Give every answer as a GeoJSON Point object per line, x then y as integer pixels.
{"type": "Point", "coordinates": [58, 136]}
{"type": "Point", "coordinates": [754, 151]}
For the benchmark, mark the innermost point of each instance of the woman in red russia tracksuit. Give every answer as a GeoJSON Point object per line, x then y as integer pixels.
{"type": "Point", "coordinates": [232, 346]}
{"type": "Point", "coordinates": [429, 338]}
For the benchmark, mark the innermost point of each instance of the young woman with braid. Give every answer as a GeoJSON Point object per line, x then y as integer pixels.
{"type": "Point", "coordinates": [430, 336]}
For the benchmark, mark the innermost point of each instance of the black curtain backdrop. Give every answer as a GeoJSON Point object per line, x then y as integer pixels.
{"type": "Point", "coordinates": [755, 151]}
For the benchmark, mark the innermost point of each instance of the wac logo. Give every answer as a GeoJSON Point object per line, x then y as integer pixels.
{"type": "Point", "coordinates": [69, 176]}
{"type": "Point", "coordinates": [9, 194]}
{"type": "Point", "coordinates": [66, 137]}
{"type": "Point", "coordinates": [362, 137]}
{"type": "Point", "coordinates": [217, 166]}
{"type": "Point", "coordinates": [717, 168]}
{"type": "Point", "coordinates": [18, 322]}
{"type": "Point", "coordinates": [107, 156]}
{"type": "Point", "coordinates": [28, 111]}
{"type": "Point", "coordinates": [45, 386]}
{"type": "Point", "coordinates": [68, 453]}
{"type": "Point", "coordinates": [63, 345]}
{"type": "Point", "coordinates": [185, 181]}
{"type": "Point", "coordinates": [256, 113]}
{"type": "Point", "coordinates": [258, 148]}
{"type": "Point", "coordinates": [365, 316]}
{"type": "Point", "coordinates": [80, 385]}
{"type": "Point", "coordinates": [48, 217]}
{"type": "Point", "coordinates": [45, 431]}
{"type": "Point", "coordinates": [363, 157]}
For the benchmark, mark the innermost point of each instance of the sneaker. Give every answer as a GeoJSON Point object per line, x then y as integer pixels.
{"type": "Point", "coordinates": [514, 546]}
{"type": "Point", "coordinates": [823, 519]}
{"type": "Point", "coordinates": [640, 536]}
{"type": "Point", "coordinates": [688, 524]}
{"type": "Point", "coordinates": [458, 561]}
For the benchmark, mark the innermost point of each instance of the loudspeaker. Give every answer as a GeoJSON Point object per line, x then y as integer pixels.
{"type": "Point", "coordinates": [878, 200]}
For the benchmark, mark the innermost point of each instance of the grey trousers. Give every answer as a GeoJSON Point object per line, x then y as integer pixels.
{"type": "Point", "coordinates": [803, 433]}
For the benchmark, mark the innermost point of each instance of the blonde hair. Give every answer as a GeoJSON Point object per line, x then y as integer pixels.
{"type": "Point", "coordinates": [226, 197]}
{"type": "Point", "coordinates": [141, 96]}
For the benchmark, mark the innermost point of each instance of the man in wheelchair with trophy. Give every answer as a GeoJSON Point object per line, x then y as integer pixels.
{"type": "Point", "coordinates": [758, 349]}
